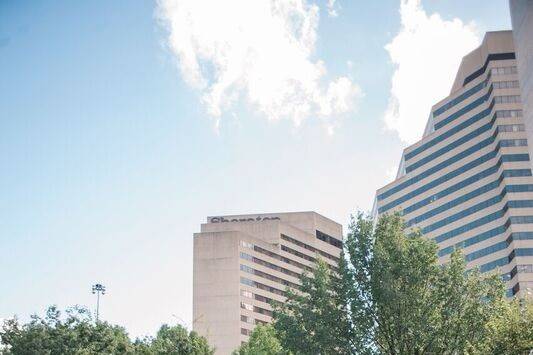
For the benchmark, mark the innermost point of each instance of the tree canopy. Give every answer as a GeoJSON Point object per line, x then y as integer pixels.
{"type": "Point", "coordinates": [391, 296]}
{"type": "Point", "coordinates": [76, 333]}
{"type": "Point", "coordinates": [263, 341]}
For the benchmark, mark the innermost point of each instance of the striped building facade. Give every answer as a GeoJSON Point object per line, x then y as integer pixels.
{"type": "Point", "coordinates": [468, 182]}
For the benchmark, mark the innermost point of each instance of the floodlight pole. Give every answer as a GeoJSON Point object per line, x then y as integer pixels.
{"type": "Point", "coordinates": [98, 288]}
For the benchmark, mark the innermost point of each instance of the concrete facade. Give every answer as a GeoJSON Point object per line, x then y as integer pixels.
{"type": "Point", "coordinates": [243, 262]}
{"type": "Point", "coordinates": [468, 183]}
{"type": "Point", "coordinates": [522, 20]}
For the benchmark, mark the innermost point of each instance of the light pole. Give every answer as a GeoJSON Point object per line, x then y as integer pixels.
{"type": "Point", "coordinates": [98, 288]}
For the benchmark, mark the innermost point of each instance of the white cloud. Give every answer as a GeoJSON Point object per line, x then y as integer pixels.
{"type": "Point", "coordinates": [426, 54]}
{"type": "Point", "coordinates": [332, 11]}
{"type": "Point", "coordinates": [259, 52]}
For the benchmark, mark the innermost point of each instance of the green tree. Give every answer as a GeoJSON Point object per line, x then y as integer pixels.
{"type": "Point", "coordinates": [510, 331]}
{"type": "Point", "coordinates": [176, 340]}
{"type": "Point", "coordinates": [75, 333]}
{"type": "Point", "coordinates": [263, 341]}
{"type": "Point", "coordinates": [313, 320]}
{"type": "Point", "coordinates": [390, 296]}
{"type": "Point", "coordinates": [417, 306]}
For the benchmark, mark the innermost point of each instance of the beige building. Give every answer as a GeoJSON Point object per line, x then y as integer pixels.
{"type": "Point", "coordinates": [243, 262]}
{"type": "Point", "coordinates": [467, 183]}
{"type": "Point", "coordinates": [522, 19]}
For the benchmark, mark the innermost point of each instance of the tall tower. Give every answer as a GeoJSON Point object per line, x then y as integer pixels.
{"type": "Point", "coordinates": [242, 263]}
{"type": "Point", "coordinates": [522, 19]}
{"type": "Point", "coordinates": [467, 183]}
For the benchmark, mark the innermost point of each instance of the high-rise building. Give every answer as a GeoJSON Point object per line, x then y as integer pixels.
{"type": "Point", "coordinates": [522, 19]}
{"type": "Point", "coordinates": [243, 262]}
{"type": "Point", "coordinates": [467, 183]}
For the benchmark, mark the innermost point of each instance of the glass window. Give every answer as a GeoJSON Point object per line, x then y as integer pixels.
{"type": "Point", "coordinates": [246, 245]}
{"type": "Point", "coordinates": [247, 319]}
{"type": "Point", "coordinates": [247, 306]}
{"type": "Point", "coordinates": [246, 293]}
{"type": "Point", "coordinates": [246, 256]}
{"type": "Point", "coordinates": [450, 132]}
{"type": "Point", "coordinates": [509, 99]}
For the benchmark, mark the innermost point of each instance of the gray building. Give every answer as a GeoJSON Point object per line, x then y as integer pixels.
{"type": "Point", "coordinates": [522, 20]}
{"type": "Point", "coordinates": [468, 183]}
{"type": "Point", "coordinates": [243, 262]}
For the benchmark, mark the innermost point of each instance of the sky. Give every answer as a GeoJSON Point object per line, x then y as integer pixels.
{"type": "Point", "coordinates": [123, 124]}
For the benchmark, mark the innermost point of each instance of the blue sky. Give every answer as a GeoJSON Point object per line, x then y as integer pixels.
{"type": "Point", "coordinates": [110, 158]}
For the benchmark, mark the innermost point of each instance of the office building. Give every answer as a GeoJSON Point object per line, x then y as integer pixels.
{"type": "Point", "coordinates": [243, 262]}
{"type": "Point", "coordinates": [467, 183]}
{"type": "Point", "coordinates": [522, 20]}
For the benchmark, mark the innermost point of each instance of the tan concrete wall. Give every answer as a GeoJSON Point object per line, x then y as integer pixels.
{"type": "Point", "coordinates": [225, 252]}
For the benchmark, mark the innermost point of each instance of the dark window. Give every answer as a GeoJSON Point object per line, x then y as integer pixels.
{"type": "Point", "coordinates": [328, 239]}
{"type": "Point", "coordinates": [490, 57]}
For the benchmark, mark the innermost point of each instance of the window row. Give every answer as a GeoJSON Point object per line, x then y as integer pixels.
{"type": "Point", "coordinates": [469, 211]}
{"type": "Point", "coordinates": [450, 147]}
{"type": "Point", "coordinates": [427, 173]}
{"type": "Point", "coordinates": [468, 122]}
{"type": "Point", "coordinates": [469, 226]}
{"type": "Point", "coordinates": [508, 113]}
{"type": "Point", "coordinates": [282, 258]}
{"type": "Point", "coordinates": [457, 172]}
{"type": "Point", "coordinates": [256, 309]}
{"type": "Point", "coordinates": [470, 195]}
{"type": "Point", "coordinates": [520, 236]}
{"type": "Point", "coordinates": [497, 99]}
{"type": "Point", "coordinates": [511, 128]}
{"type": "Point", "coordinates": [464, 183]}
{"type": "Point", "coordinates": [513, 143]}
{"type": "Point", "coordinates": [482, 221]}
{"type": "Point", "coordinates": [520, 252]}
{"type": "Point", "coordinates": [264, 275]}
{"type": "Point", "coordinates": [486, 251]}
{"type": "Point", "coordinates": [508, 99]}
{"type": "Point", "coordinates": [511, 84]}
{"type": "Point", "coordinates": [252, 283]}
{"type": "Point", "coordinates": [466, 138]}
{"type": "Point", "coordinates": [521, 269]}
{"type": "Point", "coordinates": [309, 247]}
{"type": "Point", "coordinates": [460, 98]}
{"type": "Point", "coordinates": [503, 70]}
{"type": "Point", "coordinates": [487, 235]}
{"type": "Point", "coordinates": [468, 181]}
{"type": "Point", "coordinates": [463, 110]}
{"type": "Point", "coordinates": [476, 239]}
{"type": "Point", "coordinates": [455, 202]}
{"type": "Point", "coordinates": [491, 57]}
{"type": "Point", "coordinates": [329, 239]}
{"type": "Point", "coordinates": [255, 296]}
{"type": "Point", "coordinates": [253, 321]}
{"type": "Point", "coordinates": [476, 147]}
{"type": "Point", "coordinates": [471, 106]}
{"type": "Point", "coordinates": [269, 265]}
{"type": "Point", "coordinates": [480, 86]}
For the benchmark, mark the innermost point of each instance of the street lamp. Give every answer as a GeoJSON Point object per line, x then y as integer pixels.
{"type": "Point", "coordinates": [98, 289]}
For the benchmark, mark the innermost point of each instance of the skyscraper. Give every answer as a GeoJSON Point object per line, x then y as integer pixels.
{"type": "Point", "coordinates": [522, 19]}
{"type": "Point", "coordinates": [467, 183]}
{"type": "Point", "coordinates": [243, 262]}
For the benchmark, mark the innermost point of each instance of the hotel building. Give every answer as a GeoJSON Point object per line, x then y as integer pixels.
{"type": "Point", "coordinates": [243, 262]}
{"type": "Point", "coordinates": [467, 183]}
